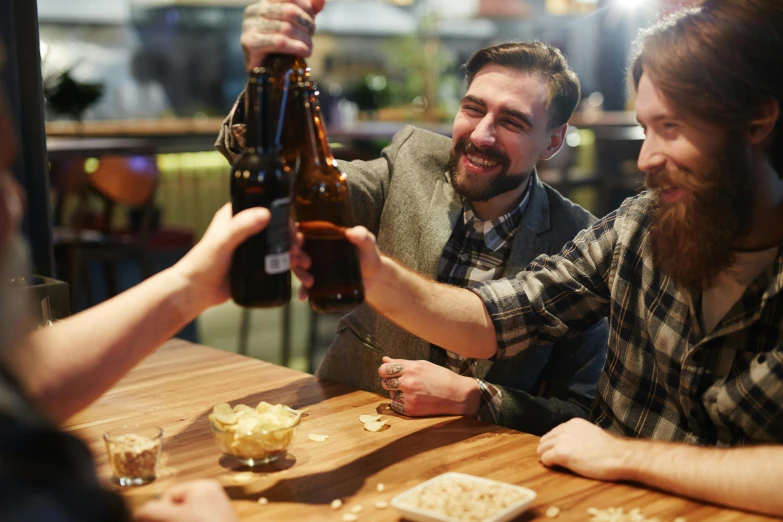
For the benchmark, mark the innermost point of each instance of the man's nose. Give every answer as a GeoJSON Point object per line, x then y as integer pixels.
{"type": "Point", "coordinates": [650, 156]}
{"type": "Point", "coordinates": [484, 134]}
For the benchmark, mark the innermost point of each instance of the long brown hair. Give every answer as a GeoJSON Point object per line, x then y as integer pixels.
{"type": "Point", "coordinates": [719, 63]}
{"type": "Point", "coordinates": [535, 58]}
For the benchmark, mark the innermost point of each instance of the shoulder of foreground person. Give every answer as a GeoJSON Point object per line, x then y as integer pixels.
{"type": "Point", "coordinates": [49, 475]}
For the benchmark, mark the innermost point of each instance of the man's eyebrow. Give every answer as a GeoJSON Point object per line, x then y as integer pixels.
{"type": "Point", "coordinates": [473, 99]}
{"type": "Point", "coordinates": [655, 118]}
{"type": "Point", "coordinates": [525, 118]}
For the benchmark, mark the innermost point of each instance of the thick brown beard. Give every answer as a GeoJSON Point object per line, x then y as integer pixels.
{"type": "Point", "coordinates": [692, 240]}
{"type": "Point", "coordinates": [477, 189]}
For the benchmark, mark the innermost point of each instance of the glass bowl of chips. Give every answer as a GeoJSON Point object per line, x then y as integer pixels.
{"type": "Point", "coordinates": [254, 436]}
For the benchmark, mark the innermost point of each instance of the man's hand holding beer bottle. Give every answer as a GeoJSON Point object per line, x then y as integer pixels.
{"type": "Point", "coordinates": [278, 27]}
{"type": "Point", "coordinates": [285, 140]}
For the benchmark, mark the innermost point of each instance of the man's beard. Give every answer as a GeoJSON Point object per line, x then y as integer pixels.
{"type": "Point", "coordinates": [692, 238]}
{"type": "Point", "coordinates": [481, 188]}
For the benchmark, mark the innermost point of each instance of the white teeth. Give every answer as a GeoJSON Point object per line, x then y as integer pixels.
{"type": "Point", "coordinates": [476, 160]}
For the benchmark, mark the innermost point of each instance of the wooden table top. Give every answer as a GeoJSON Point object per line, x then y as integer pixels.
{"type": "Point", "coordinates": [176, 388]}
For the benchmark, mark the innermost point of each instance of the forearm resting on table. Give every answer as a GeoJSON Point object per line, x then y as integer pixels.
{"type": "Point", "coordinates": [747, 477]}
{"type": "Point", "coordinates": [448, 316]}
{"type": "Point", "coordinates": [67, 366]}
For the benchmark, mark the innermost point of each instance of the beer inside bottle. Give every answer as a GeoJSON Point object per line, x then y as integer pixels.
{"type": "Point", "coordinates": [323, 210]}
{"type": "Point", "coordinates": [260, 274]}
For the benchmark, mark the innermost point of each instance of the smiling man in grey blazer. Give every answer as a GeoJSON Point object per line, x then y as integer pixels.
{"type": "Point", "coordinates": [464, 211]}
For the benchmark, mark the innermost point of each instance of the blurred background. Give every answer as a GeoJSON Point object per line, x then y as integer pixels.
{"type": "Point", "coordinates": [136, 90]}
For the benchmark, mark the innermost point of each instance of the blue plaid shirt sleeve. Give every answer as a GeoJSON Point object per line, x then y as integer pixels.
{"type": "Point", "coordinates": [557, 296]}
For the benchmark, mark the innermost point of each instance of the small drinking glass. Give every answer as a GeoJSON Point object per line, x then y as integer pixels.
{"type": "Point", "coordinates": [134, 454]}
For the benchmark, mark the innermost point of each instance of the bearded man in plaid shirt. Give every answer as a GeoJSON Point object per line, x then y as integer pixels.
{"type": "Point", "coordinates": [689, 274]}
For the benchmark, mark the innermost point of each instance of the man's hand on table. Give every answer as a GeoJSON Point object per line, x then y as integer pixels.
{"type": "Point", "coordinates": [421, 388]}
{"type": "Point", "coordinates": [586, 449]}
{"type": "Point", "coordinates": [278, 26]}
{"type": "Point", "coordinates": [197, 501]}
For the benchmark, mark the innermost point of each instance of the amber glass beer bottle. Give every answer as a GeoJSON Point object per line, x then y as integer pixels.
{"type": "Point", "coordinates": [260, 274]}
{"type": "Point", "coordinates": [287, 74]}
{"type": "Point", "coordinates": [323, 210]}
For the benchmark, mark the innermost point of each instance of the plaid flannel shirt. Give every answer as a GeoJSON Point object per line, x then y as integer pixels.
{"type": "Point", "coordinates": [663, 378]}
{"type": "Point", "coordinates": [477, 251]}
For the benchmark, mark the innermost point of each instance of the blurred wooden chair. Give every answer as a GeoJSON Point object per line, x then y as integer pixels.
{"type": "Point", "coordinates": [88, 235]}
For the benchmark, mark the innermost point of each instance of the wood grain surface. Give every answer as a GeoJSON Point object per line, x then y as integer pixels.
{"type": "Point", "coordinates": [176, 388]}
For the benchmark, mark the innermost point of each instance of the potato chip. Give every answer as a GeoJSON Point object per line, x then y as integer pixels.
{"type": "Point", "coordinates": [242, 408]}
{"type": "Point", "coordinates": [246, 433]}
{"type": "Point", "coordinates": [246, 424]}
{"type": "Point", "coordinates": [381, 504]}
{"type": "Point", "coordinates": [337, 504]}
{"type": "Point", "coordinates": [317, 438]}
{"type": "Point", "coordinates": [364, 419]}
{"type": "Point", "coordinates": [222, 408]}
{"type": "Point", "coordinates": [376, 425]}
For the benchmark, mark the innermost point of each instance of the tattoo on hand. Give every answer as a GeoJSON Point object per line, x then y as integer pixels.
{"type": "Point", "coordinates": [394, 382]}
{"type": "Point", "coordinates": [263, 41]}
{"type": "Point", "coordinates": [252, 10]}
{"type": "Point", "coordinates": [306, 23]}
{"type": "Point", "coordinates": [398, 403]}
{"type": "Point", "coordinates": [275, 10]}
{"type": "Point", "coordinates": [391, 369]}
{"type": "Point", "coordinates": [262, 25]}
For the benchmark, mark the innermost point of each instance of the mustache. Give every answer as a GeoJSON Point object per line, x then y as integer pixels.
{"type": "Point", "coordinates": [465, 146]}
{"type": "Point", "coordinates": [658, 178]}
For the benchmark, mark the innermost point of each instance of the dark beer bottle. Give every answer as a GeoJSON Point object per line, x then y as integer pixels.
{"type": "Point", "coordinates": [260, 274]}
{"type": "Point", "coordinates": [287, 74]}
{"type": "Point", "coordinates": [323, 210]}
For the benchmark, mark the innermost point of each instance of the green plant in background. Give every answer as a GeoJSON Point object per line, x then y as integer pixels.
{"type": "Point", "coordinates": [419, 68]}
{"type": "Point", "coordinates": [69, 97]}
{"type": "Point", "coordinates": [370, 93]}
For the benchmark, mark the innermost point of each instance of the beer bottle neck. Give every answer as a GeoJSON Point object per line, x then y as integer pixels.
{"type": "Point", "coordinates": [282, 65]}
{"type": "Point", "coordinates": [260, 134]}
{"type": "Point", "coordinates": [317, 149]}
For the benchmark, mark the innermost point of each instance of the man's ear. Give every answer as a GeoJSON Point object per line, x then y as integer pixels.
{"type": "Point", "coordinates": [760, 129]}
{"type": "Point", "coordinates": [556, 139]}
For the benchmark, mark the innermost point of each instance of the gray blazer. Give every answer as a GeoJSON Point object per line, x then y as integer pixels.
{"type": "Point", "coordinates": [406, 200]}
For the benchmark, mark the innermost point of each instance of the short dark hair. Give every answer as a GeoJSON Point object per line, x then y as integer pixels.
{"type": "Point", "coordinates": [718, 62]}
{"type": "Point", "coordinates": [535, 58]}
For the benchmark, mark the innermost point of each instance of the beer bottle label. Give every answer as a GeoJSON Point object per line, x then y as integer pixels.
{"type": "Point", "coordinates": [277, 259]}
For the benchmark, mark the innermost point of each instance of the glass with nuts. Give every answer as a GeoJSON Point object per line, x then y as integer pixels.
{"type": "Point", "coordinates": [134, 454]}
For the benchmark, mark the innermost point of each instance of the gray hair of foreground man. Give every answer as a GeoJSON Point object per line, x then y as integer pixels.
{"type": "Point", "coordinates": [535, 58]}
